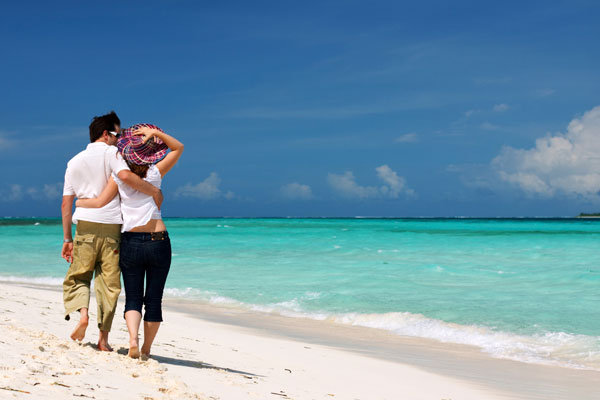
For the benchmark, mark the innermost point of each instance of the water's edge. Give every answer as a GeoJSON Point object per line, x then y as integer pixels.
{"type": "Point", "coordinates": [544, 349]}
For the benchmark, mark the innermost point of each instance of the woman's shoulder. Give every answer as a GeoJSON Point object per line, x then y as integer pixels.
{"type": "Point", "coordinates": [153, 172]}
{"type": "Point", "coordinates": [116, 179]}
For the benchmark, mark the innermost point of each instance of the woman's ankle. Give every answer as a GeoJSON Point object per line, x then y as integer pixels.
{"type": "Point", "coordinates": [145, 349]}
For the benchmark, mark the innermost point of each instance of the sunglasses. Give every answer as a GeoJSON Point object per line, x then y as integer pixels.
{"type": "Point", "coordinates": [115, 134]}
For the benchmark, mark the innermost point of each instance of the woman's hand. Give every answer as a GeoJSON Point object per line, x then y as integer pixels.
{"type": "Point", "coordinates": [81, 202]}
{"type": "Point", "coordinates": [145, 131]}
{"type": "Point", "coordinates": [109, 192]}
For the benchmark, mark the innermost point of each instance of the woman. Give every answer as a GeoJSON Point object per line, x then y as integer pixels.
{"type": "Point", "coordinates": [145, 244]}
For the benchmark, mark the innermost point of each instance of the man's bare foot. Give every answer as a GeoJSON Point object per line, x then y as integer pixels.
{"type": "Point", "coordinates": [103, 341]}
{"type": "Point", "coordinates": [79, 332]}
{"type": "Point", "coordinates": [102, 346]}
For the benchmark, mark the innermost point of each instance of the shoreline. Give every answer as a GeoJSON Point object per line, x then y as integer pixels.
{"type": "Point", "coordinates": [496, 344]}
{"type": "Point", "coordinates": [464, 368]}
{"type": "Point", "coordinates": [457, 361]}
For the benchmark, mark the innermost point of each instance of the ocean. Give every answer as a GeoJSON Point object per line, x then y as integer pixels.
{"type": "Point", "coordinates": [522, 289]}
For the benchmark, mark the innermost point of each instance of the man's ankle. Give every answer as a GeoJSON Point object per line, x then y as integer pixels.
{"type": "Point", "coordinates": [83, 314]}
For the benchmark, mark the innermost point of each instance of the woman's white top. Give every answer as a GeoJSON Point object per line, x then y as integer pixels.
{"type": "Point", "coordinates": [138, 208]}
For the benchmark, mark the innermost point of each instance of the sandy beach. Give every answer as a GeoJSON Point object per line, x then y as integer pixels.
{"type": "Point", "coordinates": [206, 352]}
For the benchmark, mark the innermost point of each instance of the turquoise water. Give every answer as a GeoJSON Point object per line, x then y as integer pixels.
{"type": "Point", "coordinates": [519, 289]}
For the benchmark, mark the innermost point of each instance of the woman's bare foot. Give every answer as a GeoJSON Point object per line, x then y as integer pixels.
{"type": "Point", "coordinates": [79, 331]}
{"type": "Point", "coordinates": [145, 352]}
{"type": "Point", "coordinates": [134, 352]}
{"type": "Point", "coordinates": [150, 329]}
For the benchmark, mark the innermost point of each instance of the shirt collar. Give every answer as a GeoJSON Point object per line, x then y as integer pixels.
{"type": "Point", "coordinates": [96, 144]}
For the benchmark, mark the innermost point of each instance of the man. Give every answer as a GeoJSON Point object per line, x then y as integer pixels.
{"type": "Point", "coordinates": [95, 248]}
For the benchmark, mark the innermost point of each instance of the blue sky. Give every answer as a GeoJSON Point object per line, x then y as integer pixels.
{"type": "Point", "coordinates": [337, 108]}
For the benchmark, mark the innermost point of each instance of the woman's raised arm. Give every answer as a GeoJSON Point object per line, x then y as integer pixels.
{"type": "Point", "coordinates": [174, 145]}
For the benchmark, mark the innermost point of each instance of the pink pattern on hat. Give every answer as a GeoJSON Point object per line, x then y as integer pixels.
{"type": "Point", "coordinates": [134, 150]}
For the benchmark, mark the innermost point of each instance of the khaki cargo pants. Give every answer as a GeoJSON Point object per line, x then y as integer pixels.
{"type": "Point", "coordinates": [95, 249]}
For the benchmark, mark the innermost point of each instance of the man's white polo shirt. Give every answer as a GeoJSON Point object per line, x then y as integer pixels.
{"type": "Point", "coordinates": [86, 176]}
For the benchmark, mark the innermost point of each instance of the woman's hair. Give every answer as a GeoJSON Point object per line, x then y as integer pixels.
{"type": "Point", "coordinates": [139, 170]}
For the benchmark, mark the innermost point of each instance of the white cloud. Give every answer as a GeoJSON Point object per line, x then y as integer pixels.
{"type": "Point", "coordinates": [492, 81]}
{"type": "Point", "coordinates": [489, 126]}
{"type": "Point", "coordinates": [501, 107]}
{"type": "Point", "coordinates": [52, 191]}
{"type": "Point", "coordinates": [208, 189]}
{"type": "Point", "coordinates": [394, 184]}
{"type": "Point", "coordinates": [454, 168]}
{"type": "Point", "coordinates": [296, 191]}
{"type": "Point", "coordinates": [343, 110]}
{"type": "Point", "coordinates": [468, 113]}
{"type": "Point", "coordinates": [545, 92]}
{"type": "Point", "coordinates": [16, 192]}
{"type": "Point", "coordinates": [6, 142]}
{"type": "Point", "coordinates": [407, 138]}
{"type": "Point", "coordinates": [345, 184]}
{"type": "Point", "coordinates": [566, 163]}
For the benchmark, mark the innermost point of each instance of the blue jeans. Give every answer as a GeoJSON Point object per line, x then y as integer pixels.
{"type": "Point", "coordinates": [145, 255]}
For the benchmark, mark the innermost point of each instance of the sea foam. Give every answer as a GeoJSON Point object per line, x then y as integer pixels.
{"type": "Point", "coordinates": [550, 348]}
{"type": "Point", "coordinates": [40, 280]}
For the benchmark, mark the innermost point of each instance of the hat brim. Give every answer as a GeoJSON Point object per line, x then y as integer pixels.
{"type": "Point", "coordinates": [134, 150]}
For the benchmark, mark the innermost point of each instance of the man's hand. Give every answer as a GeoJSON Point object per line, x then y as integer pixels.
{"type": "Point", "coordinates": [141, 185]}
{"type": "Point", "coordinates": [67, 252]}
{"type": "Point", "coordinates": [66, 209]}
{"type": "Point", "coordinates": [158, 198]}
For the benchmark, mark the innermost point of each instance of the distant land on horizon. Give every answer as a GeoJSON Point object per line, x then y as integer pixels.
{"type": "Point", "coordinates": [588, 215]}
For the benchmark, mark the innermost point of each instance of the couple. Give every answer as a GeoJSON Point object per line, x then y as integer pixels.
{"type": "Point", "coordinates": [118, 233]}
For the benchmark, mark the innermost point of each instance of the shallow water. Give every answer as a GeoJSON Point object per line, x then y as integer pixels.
{"type": "Point", "coordinates": [518, 288]}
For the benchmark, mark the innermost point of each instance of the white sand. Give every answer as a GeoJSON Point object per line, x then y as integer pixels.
{"type": "Point", "coordinates": [194, 358]}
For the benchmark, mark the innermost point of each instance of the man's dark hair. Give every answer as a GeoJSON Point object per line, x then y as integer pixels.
{"type": "Point", "coordinates": [113, 118]}
{"type": "Point", "coordinates": [103, 123]}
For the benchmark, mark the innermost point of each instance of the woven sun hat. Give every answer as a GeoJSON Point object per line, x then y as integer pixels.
{"type": "Point", "coordinates": [134, 150]}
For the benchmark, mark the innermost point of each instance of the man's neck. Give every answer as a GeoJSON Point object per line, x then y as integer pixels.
{"type": "Point", "coordinates": [101, 140]}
